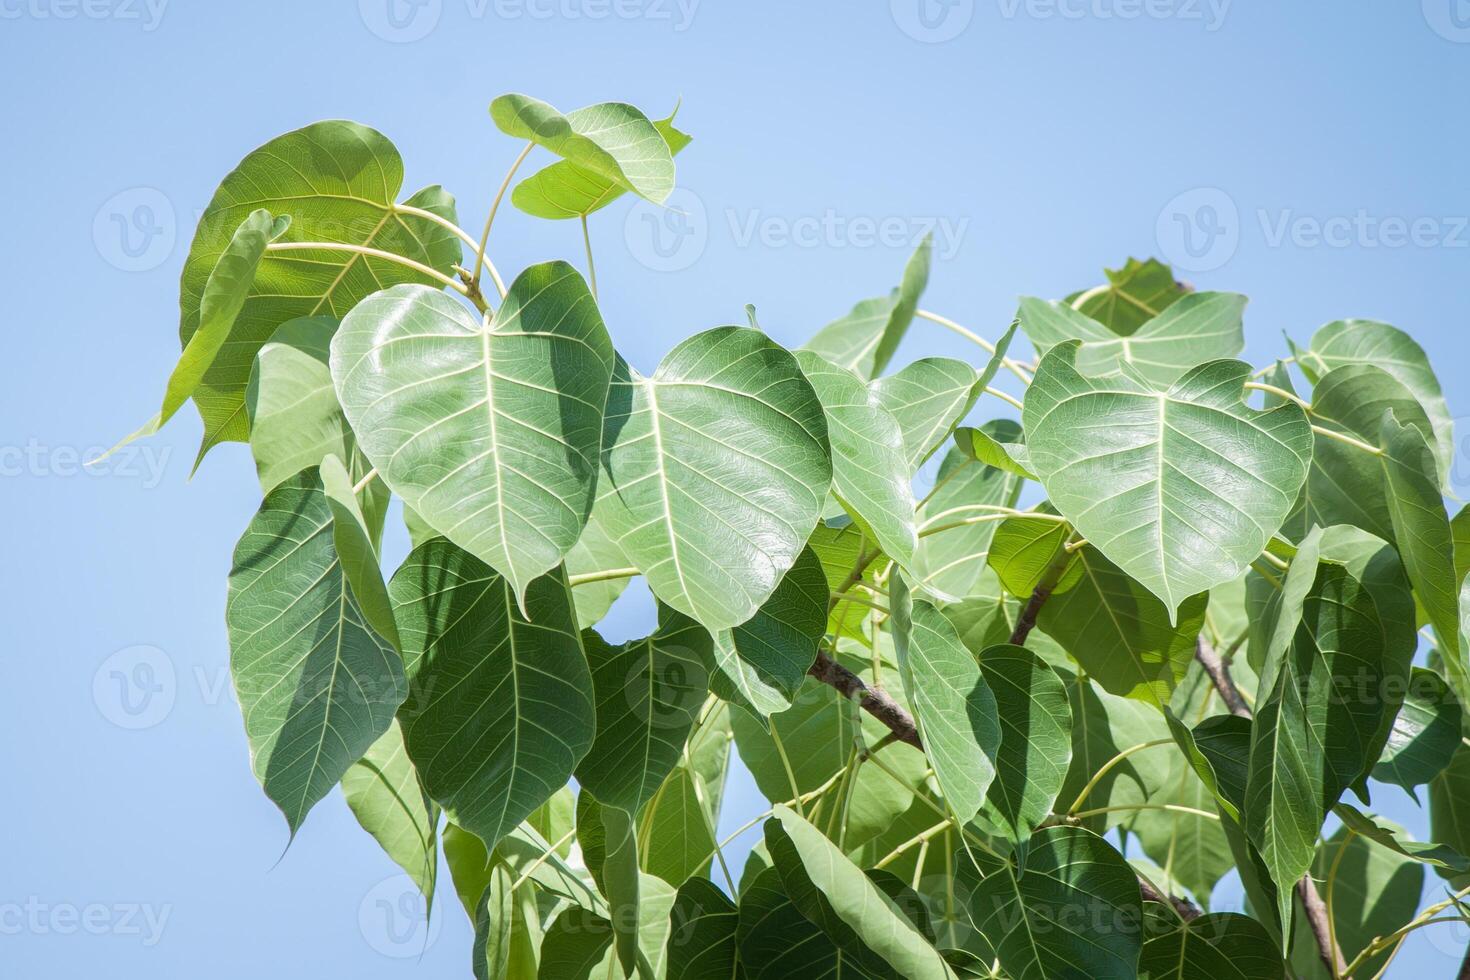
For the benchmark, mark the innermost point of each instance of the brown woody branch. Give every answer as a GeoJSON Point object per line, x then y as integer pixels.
{"type": "Point", "coordinates": [1306, 889]}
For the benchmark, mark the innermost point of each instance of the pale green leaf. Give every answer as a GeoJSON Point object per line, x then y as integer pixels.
{"type": "Point", "coordinates": [676, 829]}
{"type": "Point", "coordinates": [568, 190]}
{"type": "Point", "coordinates": [596, 553]}
{"type": "Point", "coordinates": [383, 791]}
{"type": "Point", "coordinates": [1104, 725]}
{"type": "Point", "coordinates": [500, 704]}
{"type": "Point", "coordinates": [952, 556]}
{"type": "Point", "coordinates": [1002, 449]}
{"type": "Point", "coordinates": [1179, 488]}
{"type": "Point", "coordinates": [490, 431]}
{"type": "Point", "coordinates": [491, 951]}
{"type": "Point", "coordinates": [353, 540]}
{"type": "Point", "coordinates": [928, 398]}
{"type": "Point", "coordinates": [717, 468]}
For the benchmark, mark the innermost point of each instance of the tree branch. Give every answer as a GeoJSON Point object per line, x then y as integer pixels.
{"type": "Point", "coordinates": [1306, 889]}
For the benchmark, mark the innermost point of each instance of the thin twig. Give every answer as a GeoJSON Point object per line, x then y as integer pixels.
{"type": "Point", "coordinates": [1220, 677]}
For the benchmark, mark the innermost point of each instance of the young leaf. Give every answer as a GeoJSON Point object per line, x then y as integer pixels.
{"type": "Point", "coordinates": [1022, 910]}
{"type": "Point", "coordinates": [1002, 449]}
{"type": "Point", "coordinates": [489, 431]}
{"type": "Point", "coordinates": [866, 338]}
{"type": "Point", "coordinates": [491, 953]}
{"type": "Point", "coordinates": [611, 139]}
{"type": "Point", "coordinates": [1024, 548]}
{"type": "Point", "coordinates": [832, 891]}
{"type": "Point", "coordinates": [869, 473]}
{"type": "Point", "coordinates": [383, 791]}
{"type": "Point", "coordinates": [317, 685]}
{"type": "Point", "coordinates": [1120, 633]}
{"type": "Point", "coordinates": [1135, 294]}
{"type": "Point", "coordinates": [500, 706]}
{"type": "Point", "coordinates": [1198, 328]}
{"type": "Point", "coordinates": [353, 540]}
{"type": "Point", "coordinates": [761, 663]}
{"type": "Point", "coordinates": [649, 692]}
{"type": "Point", "coordinates": [1036, 740]}
{"type": "Point", "coordinates": [953, 706]}
{"type": "Point", "coordinates": [1218, 946]}
{"type": "Point", "coordinates": [951, 561]}
{"type": "Point", "coordinates": [719, 467]}
{"type": "Point", "coordinates": [1179, 488]}
{"type": "Point", "coordinates": [338, 181]}
{"type": "Point", "coordinates": [567, 190]}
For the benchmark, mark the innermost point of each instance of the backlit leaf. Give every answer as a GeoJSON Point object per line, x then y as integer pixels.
{"type": "Point", "coordinates": [866, 338]}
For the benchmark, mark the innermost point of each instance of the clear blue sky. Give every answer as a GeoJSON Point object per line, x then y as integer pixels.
{"type": "Point", "coordinates": [1310, 154]}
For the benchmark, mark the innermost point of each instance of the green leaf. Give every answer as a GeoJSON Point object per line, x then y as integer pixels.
{"type": "Point", "coordinates": [1193, 847]}
{"type": "Point", "coordinates": [951, 560]}
{"type": "Point", "coordinates": [384, 794]}
{"type": "Point", "coordinates": [1024, 548]}
{"type": "Point", "coordinates": [1425, 736]}
{"type": "Point", "coordinates": [1425, 539]}
{"type": "Point", "coordinates": [1217, 946]}
{"type": "Point", "coordinates": [1180, 488]}
{"type": "Point", "coordinates": [566, 190]}
{"type": "Point", "coordinates": [702, 944]}
{"type": "Point", "coordinates": [676, 829]}
{"type": "Point", "coordinates": [295, 420]}
{"type": "Point", "coordinates": [353, 541]}
{"type": "Point", "coordinates": [611, 140]}
{"type": "Point", "coordinates": [338, 182]}
{"type": "Point", "coordinates": [866, 338]}
{"type": "Point", "coordinates": [778, 942]}
{"type": "Point", "coordinates": [761, 663]}
{"type": "Point", "coordinates": [719, 468]}
{"type": "Point", "coordinates": [1026, 912]}
{"type": "Point", "coordinates": [596, 552]}
{"type": "Point", "coordinates": [621, 884]}
{"type": "Point", "coordinates": [1374, 892]}
{"type": "Point", "coordinates": [316, 684]}
{"type": "Point", "coordinates": [1036, 740]}
{"type": "Point", "coordinates": [1449, 808]}
{"type": "Point", "coordinates": [826, 886]}
{"type": "Point", "coordinates": [578, 946]}
{"type": "Point", "coordinates": [649, 692]}
{"type": "Point", "coordinates": [1103, 725]}
{"type": "Point", "coordinates": [1002, 449]}
{"type": "Point", "coordinates": [1392, 350]}
{"type": "Point", "coordinates": [869, 472]}
{"type": "Point", "coordinates": [1397, 839]}
{"type": "Point", "coordinates": [953, 706]}
{"type": "Point", "coordinates": [469, 865]}
{"type": "Point", "coordinates": [1120, 633]}
{"type": "Point", "coordinates": [928, 398]}
{"type": "Point", "coordinates": [490, 431]}
{"type": "Point", "coordinates": [1134, 294]}
{"type": "Point", "coordinates": [500, 706]}
{"type": "Point", "coordinates": [224, 296]}
{"type": "Point", "coordinates": [1197, 328]}
{"type": "Point", "coordinates": [493, 926]}
{"type": "Point", "coordinates": [1313, 730]}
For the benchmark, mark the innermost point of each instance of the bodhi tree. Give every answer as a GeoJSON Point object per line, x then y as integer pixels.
{"type": "Point", "coordinates": [1167, 616]}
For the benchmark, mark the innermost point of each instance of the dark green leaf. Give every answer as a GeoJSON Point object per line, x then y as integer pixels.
{"type": "Point", "coordinates": [1036, 740]}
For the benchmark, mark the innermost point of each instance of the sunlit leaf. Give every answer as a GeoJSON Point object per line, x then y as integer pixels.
{"type": "Point", "coordinates": [383, 791]}
{"type": "Point", "coordinates": [866, 338]}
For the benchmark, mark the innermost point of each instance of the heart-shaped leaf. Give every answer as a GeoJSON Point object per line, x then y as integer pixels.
{"type": "Point", "coordinates": [717, 469]}
{"type": "Point", "coordinates": [500, 707]}
{"type": "Point", "coordinates": [338, 181]}
{"type": "Point", "coordinates": [1181, 489]}
{"type": "Point", "coordinates": [317, 685]}
{"type": "Point", "coordinates": [489, 430]}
